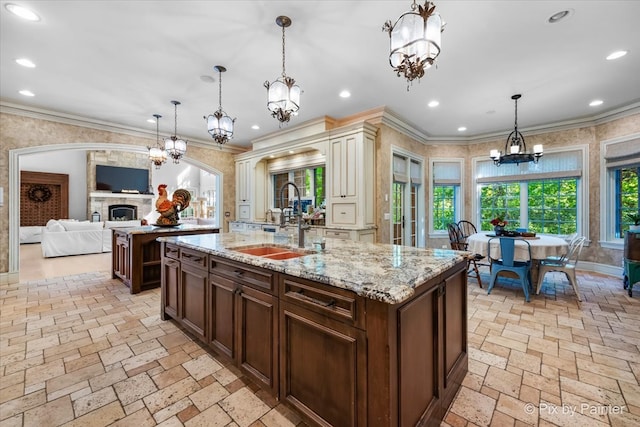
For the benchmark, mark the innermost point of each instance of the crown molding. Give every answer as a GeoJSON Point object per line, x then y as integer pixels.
{"type": "Point", "coordinates": [85, 122]}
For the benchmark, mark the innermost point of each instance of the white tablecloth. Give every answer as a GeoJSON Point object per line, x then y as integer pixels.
{"type": "Point", "coordinates": [541, 247]}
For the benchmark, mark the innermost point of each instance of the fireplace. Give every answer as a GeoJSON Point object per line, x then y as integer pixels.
{"type": "Point", "coordinates": [122, 212]}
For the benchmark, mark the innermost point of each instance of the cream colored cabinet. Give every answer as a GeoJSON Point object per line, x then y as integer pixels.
{"type": "Point", "coordinates": [244, 174]}
{"type": "Point", "coordinates": [350, 167]}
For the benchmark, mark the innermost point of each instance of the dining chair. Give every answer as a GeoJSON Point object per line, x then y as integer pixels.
{"type": "Point", "coordinates": [459, 243]}
{"type": "Point", "coordinates": [507, 262]}
{"type": "Point", "coordinates": [467, 228]}
{"type": "Point", "coordinates": [565, 264]}
{"type": "Point", "coordinates": [631, 274]}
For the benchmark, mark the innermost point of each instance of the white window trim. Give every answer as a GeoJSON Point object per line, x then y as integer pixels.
{"type": "Point", "coordinates": [420, 221]}
{"type": "Point", "coordinates": [583, 192]}
{"type": "Point", "coordinates": [439, 234]}
{"type": "Point", "coordinates": [607, 203]}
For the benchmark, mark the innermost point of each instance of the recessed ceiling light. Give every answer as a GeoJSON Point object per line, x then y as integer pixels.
{"type": "Point", "coordinates": [207, 79]}
{"type": "Point", "coordinates": [617, 54]}
{"type": "Point", "coordinates": [151, 120]}
{"type": "Point", "coordinates": [272, 156]}
{"type": "Point", "coordinates": [26, 92]}
{"type": "Point", "coordinates": [345, 94]}
{"type": "Point", "coordinates": [22, 12]}
{"type": "Point", "coordinates": [255, 127]}
{"type": "Point", "coordinates": [462, 129]}
{"type": "Point", "coordinates": [595, 103]}
{"type": "Point", "coordinates": [25, 62]}
{"type": "Point", "coordinates": [433, 104]}
{"type": "Point", "coordinates": [559, 16]}
{"type": "Point", "coordinates": [291, 151]}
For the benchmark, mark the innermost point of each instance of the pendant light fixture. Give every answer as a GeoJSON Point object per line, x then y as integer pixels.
{"type": "Point", "coordinates": [157, 154]}
{"type": "Point", "coordinates": [283, 94]}
{"type": "Point", "coordinates": [515, 150]}
{"type": "Point", "coordinates": [415, 40]}
{"type": "Point", "coordinates": [174, 146]}
{"type": "Point", "coordinates": [219, 125]}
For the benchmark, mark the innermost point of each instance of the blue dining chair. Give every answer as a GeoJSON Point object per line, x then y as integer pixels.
{"type": "Point", "coordinates": [506, 262]}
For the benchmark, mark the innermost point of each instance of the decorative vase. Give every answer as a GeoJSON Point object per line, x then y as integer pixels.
{"type": "Point", "coordinates": [499, 230]}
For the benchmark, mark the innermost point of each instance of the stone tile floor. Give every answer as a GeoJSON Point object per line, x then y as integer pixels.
{"type": "Point", "coordinates": [81, 351]}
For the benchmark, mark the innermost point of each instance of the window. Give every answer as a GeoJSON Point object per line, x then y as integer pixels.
{"type": "Point", "coordinates": [310, 182]}
{"type": "Point", "coordinates": [619, 187]}
{"type": "Point", "coordinates": [407, 222]}
{"type": "Point", "coordinates": [545, 197]}
{"type": "Point", "coordinates": [445, 193]}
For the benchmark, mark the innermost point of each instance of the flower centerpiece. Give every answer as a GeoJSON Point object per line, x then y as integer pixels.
{"type": "Point", "coordinates": [498, 224]}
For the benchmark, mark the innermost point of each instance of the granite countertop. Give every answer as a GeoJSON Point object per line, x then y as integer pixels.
{"type": "Point", "coordinates": [383, 272]}
{"type": "Point", "coordinates": [147, 229]}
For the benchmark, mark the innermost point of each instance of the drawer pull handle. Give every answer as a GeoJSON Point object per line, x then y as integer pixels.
{"type": "Point", "coordinates": [343, 213]}
{"type": "Point", "coordinates": [315, 301]}
{"type": "Point", "coordinates": [238, 272]}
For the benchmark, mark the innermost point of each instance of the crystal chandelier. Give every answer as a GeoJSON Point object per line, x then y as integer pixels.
{"type": "Point", "coordinates": [157, 154]}
{"type": "Point", "coordinates": [219, 125]}
{"type": "Point", "coordinates": [415, 40]}
{"type": "Point", "coordinates": [174, 146]}
{"type": "Point", "coordinates": [283, 94]}
{"type": "Point", "coordinates": [515, 150]}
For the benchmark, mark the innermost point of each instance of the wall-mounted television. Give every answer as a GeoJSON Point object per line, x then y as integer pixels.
{"type": "Point", "coordinates": [119, 179]}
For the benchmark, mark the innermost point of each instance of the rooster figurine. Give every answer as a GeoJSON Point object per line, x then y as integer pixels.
{"type": "Point", "coordinates": [169, 209]}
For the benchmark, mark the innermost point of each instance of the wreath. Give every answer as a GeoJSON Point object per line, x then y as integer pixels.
{"type": "Point", "coordinates": [39, 193]}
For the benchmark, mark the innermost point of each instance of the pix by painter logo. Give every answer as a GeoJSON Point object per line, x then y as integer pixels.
{"type": "Point", "coordinates": [570, 410]}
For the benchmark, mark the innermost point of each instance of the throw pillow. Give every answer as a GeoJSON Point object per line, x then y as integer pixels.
{"type": "Point", "coordinates": [54, 226]}
{"type": "Point", "coordinates": [81, 225]}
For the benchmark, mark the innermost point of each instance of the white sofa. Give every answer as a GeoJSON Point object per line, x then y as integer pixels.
{"type": "Point", "coordinates": [31, 234]}
{"type": "Point", "coordinates": [70, 237]}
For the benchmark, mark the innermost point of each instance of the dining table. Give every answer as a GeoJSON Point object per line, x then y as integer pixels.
{"type": "Point", "coordinates": [542, 246]}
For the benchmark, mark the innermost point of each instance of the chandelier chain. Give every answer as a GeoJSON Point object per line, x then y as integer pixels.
{"type": "Point", "coordinates": [220, 90]}
{"type": "Point", "coordinates": [516, 118]}
{"type": "Point", "coordinates": [283, 71]}
{"type": "Point", "coordinates": [175, 121]}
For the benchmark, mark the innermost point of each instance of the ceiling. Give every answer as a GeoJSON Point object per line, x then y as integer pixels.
{"type": "Point", "coordinates": [121, 62]}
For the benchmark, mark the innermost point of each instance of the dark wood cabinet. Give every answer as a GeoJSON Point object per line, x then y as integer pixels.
{"type": "Point", "coordinates": [136, 254]}
{"type": "Point", "coordinates": [337, 358]}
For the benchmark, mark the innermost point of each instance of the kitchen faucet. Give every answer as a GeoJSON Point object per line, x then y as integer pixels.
{"type": "Point", "coordinates": [301, 228]}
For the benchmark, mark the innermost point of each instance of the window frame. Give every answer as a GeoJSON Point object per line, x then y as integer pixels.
{"type": "Point", "coordinates": [459, 205]}
{"type": "Point", "coordinates": [608, 193]}
{"type": "Point", "coordinates": [582, 202]}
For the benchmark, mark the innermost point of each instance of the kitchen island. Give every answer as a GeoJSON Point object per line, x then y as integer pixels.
{"type": "Point", "coordinates": [135, 255]}
{"type": "Point", "coordinates": [355, 334]}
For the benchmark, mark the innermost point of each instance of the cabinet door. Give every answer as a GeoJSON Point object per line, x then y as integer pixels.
{"type": "Point", "coordinates": [418, 373]}
{"type": "Point", "coordinates": [454, 334]}
{"type": "Point", "coordinates": [170, 290]}
{"type": "Point", "coordinates": [223, 315]}
{"type": "Point", "coordinates": [343, 167]}
{"type": "Point", "coordinates": [193, 285]}
{"type": "Point", "coordinates": [257, 329]}
{"type": "Point", "coordinates": [244, 173]}
{"type": "Point", "coordinates": [322, 367]}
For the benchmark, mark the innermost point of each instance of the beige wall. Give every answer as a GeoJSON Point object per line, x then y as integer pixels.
{"type": "Point", "coordinates": [18, 132]}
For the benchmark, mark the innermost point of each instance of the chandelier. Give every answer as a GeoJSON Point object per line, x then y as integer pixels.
{"type": "Point", "coordinates": [415, 40]}
{"type": "Point", "coordinates": [174, 146]}
{"type": "Point", "coordinates": [157, 154]}
{"type": "Point", "coordinates": [515, 150]}
{"type": "Point", "coordinates": [283, 94]}
{"type": "Point", "coordinates": [219, 125]}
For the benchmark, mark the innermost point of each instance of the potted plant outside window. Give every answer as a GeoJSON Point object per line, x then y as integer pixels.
{"type": "Point", "coordinates": [635, 218]}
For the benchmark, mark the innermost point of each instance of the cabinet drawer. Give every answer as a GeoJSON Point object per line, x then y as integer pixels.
{"type": "Point", "coordinates": [336, 303]}
{"type": "Point", "coordinates": [337, 234]}
{"type": "Point", "coordinates": [235, 227]}
{"type": "Point", "coordinates": [257, 278]}
{"type": "Point", "coordinates": [343, 213]}
{"type": "Point", "coordinates": [171, 251]}
{"type": "Point", "coordinates": [244, 212]}
{"type": "Point", "coordinates": [194, 258]}
{"type": "Point", "coordinates": [254, 227]}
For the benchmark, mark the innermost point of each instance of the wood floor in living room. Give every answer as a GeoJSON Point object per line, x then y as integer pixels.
{"type": "Point", "coordinates": [77, 349]}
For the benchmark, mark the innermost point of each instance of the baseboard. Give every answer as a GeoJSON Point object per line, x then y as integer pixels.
{"type": "Point", "coordinates": [610, 270]}
{"type": "Point", "coordinates": [9, 278]}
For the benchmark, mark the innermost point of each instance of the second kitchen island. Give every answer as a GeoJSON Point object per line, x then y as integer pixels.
{"type": "Point", "coordinates": [356, 334]}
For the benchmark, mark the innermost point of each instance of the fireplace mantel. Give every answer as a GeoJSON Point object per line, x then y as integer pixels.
{"type": "Point", "coordinates": [98, 194]}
